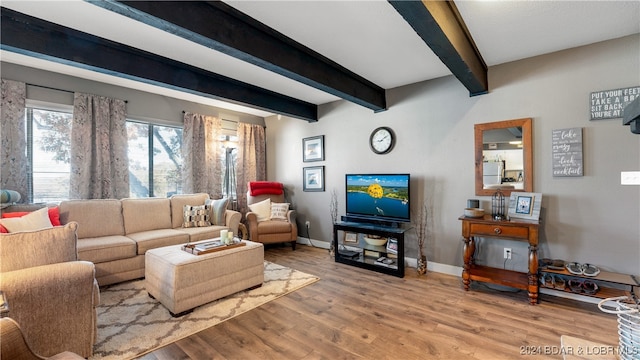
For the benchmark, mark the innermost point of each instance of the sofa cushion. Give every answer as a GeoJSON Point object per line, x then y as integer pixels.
{"type": "Point", "coordinates": [196, 216]}
{"type": "Point", "coordinates": [218, 210]}
{"type": "Point", "coordinates": [36, 220]}
{"type": "Point", "coordinates": [279, 211]}
{"type": "Point", "coordinates": [179, 201]}
{"type": "Point", "coordinates": [146, 214]}
{"type": "Point", "coordinates": [54, 215]}
{"type": "Point", "coordinates": [203, 233]}
{"type": "Point", "coordinates": [41, 247]}
{"type": "Point", "coordinates": [158, 238]}
{"type": "Point", "coordinates": [106, 248]}
{"type": "Point", "coordinates": [95, 218]}
{"type": "Point", "coordinates": [273, 227]}
{"type": "Point", "coordinates": [262, 209]}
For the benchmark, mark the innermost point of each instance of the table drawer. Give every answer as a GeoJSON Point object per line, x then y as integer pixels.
{"type": "Point", "coordinates": [517, 232]}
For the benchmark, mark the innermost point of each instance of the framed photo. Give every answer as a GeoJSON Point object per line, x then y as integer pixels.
{"type": "Point", "coordinates": [524, 205]}
{"type": "Point", "coordinates": [350, 237]}
{"type": "Point", "coordinates": [313, 148]}
{"type": "Point", "coordinates": [313, 178]}
{"type": "Point", "coordinates": [392, 246]}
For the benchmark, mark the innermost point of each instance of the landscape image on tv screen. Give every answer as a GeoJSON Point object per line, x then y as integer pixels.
{"type": "Point", "coordinates": [379, 195]}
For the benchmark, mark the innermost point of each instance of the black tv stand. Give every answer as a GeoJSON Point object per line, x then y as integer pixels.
{"type": "Point", "coordinates": [355, 219]}
{"type": "Point", "coordinates": [352, 247]}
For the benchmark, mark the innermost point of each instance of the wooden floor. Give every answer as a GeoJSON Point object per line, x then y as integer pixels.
{"type": "Point", "coordinates": [353, 313]}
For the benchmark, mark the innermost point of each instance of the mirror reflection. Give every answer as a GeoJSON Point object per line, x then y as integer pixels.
{"type": "Point", "coordinates": [502, 161]}
{"type": "Point", "coordinates": [503, 156]}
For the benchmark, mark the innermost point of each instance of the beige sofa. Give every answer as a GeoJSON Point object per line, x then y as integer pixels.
{"type": "Point", "coordinates": [115, 234]}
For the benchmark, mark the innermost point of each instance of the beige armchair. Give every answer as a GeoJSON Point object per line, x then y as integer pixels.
{"type": "Point", "coordinates": [271, 231]}
{"type": "Point", "coordinates": [14, 346]}
{"type": "Point", "coordinates": [50, 294]}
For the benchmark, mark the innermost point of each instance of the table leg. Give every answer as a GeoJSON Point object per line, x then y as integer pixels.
{"type": "Point", "coordinates": [533, 274]}
{"type": "Point", "coordinates": [469, 249]}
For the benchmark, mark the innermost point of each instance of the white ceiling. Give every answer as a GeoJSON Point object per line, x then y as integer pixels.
{"type": "Point", "coordinates": [367, 37]}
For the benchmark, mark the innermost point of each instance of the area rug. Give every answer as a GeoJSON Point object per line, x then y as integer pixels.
{"type": "Point", "coordinates": [130, 323]}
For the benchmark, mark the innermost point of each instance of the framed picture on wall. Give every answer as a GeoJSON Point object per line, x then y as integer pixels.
{"type": "Point", "coordinates": [313, 148]}
{"type": "Point", "coordinates": [313, 178]}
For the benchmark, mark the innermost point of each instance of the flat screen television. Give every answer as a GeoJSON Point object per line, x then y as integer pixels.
{"type": "Point", "coordinates": [378, 197]}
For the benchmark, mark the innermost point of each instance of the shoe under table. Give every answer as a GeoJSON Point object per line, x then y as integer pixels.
{"type": "Point", "coordinates": [182, 281]}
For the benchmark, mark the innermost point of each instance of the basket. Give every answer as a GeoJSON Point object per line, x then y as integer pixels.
{"type": "Point", "coordinates": [628, 311]}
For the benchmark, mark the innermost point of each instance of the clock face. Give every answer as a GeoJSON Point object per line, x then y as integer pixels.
{"type": "Point", "coordinates": [382, 140]}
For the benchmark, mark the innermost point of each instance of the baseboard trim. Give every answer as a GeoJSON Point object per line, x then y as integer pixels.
{"type": "Point", "coordinates": [456, 271]}
{"type": "Point", "coordinates": [312, 242]}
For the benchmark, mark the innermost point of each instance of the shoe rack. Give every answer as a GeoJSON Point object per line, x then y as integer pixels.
{"type": "Point", "coordinates": [610, 284]}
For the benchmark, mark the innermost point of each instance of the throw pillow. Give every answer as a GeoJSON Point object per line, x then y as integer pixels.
{"type": "Point", "coordinates": [36, 220]}
{"type": "Point", "coordinates": [196, 216]}
{"type": "Point", "coordinates": [279, 211]}
{"type": "Point", "coordinates": [218, 209]}
{"type": "Point", "coordinates": [54, 215]}
{"type": "Point", "coordinates": [262, 209]}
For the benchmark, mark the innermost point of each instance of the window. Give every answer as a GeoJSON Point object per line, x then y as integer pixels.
{"type": "Point", "coordinates": [155, 160]}
{"type": "Point", "coordinates": [48, 149]}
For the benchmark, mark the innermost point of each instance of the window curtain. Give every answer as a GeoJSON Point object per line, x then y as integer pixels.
{"type": "Point", "coordinates": [230, 182]}
{"type": "Point", "coordinates": [252, 160]}
{"type": "Point", "coordinates": [203, 155]}
{"type": "Point", "coordinates": [14, 168]}
{"type": "Point", "coordinates": [99, 160]}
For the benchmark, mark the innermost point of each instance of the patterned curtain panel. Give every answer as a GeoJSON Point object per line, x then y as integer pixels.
{"type": "Point", "coordinates": [14, 167]}
{"type": "Point", "coordinates": [203, 155]}
{"type": "Point", "coordinates": [99, 160]}
{"type": "Point", "coordinates": [252, 160]}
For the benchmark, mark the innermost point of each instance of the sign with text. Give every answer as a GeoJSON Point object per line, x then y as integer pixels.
{"type": "Point", "coordinates": [609, 104]}
{"type": "Point", "coordinates": [566, 149]}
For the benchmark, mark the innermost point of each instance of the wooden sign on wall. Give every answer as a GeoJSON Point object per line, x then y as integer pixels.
{"type": "Point", "coordinates": [567, 152]}
{"type": "Point", "coordinates": [609, 104]}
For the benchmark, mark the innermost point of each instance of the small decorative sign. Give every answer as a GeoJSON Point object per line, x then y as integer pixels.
{"type": "Point", "coordinates": [566, 149]}
{"type": "Point", "coordinates": [609, 104]}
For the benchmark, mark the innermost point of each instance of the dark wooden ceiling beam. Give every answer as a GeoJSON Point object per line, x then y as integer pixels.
{"type": "Point", "coordinates": [219, 26]}
{"type": "Point", "coordinates": [35, 37]}
{"type": "Point", "coordinates": [441, 27]}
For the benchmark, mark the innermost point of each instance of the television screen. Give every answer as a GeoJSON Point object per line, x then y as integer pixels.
{"type": "Point", "coordinates": [378, 196]}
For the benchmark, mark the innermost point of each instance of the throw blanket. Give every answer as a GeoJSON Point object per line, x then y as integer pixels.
{"type": "Point", "coordinates": [265, 188]}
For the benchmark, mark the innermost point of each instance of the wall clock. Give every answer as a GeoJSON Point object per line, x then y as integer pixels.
{"type": "Point", "coordinates": [382, 140]}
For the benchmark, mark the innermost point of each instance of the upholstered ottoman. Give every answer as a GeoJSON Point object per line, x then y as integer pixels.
{"type": "Point", "coordinates": [182, 281]}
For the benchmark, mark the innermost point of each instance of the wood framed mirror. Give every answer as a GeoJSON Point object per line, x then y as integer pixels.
{"type": "Point", "coordinates": [501, 162]}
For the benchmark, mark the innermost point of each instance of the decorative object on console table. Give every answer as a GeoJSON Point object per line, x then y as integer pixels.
{"type": "Point", "coordinates": [313, 148]}
{"type": "Point", "coordinates": [525, 206]}
{"type": "Point", "coordinates": [487, 227]}
{"type": "Point", "coordinates": [497, 205]}
{"type": "Point", "coordinates": [313, 178]}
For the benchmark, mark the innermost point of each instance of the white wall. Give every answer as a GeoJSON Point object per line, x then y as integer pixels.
{"type": "Point", "coordinates": [590, 219]}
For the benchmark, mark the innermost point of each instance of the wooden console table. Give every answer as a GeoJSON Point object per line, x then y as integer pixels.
{"type": "Point", "coordinates": [515, 230]}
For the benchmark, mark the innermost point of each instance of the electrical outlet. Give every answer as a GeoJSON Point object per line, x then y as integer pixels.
{"type": "Point", "coordinates": [307, 224]}
{"type": "Point", "coordinates": [507, 253]}
{"type": "Point", "coordinates": [630, 178]}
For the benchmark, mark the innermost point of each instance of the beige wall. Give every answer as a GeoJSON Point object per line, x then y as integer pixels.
{"type": "Point", "coordinates": [586, 219]}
